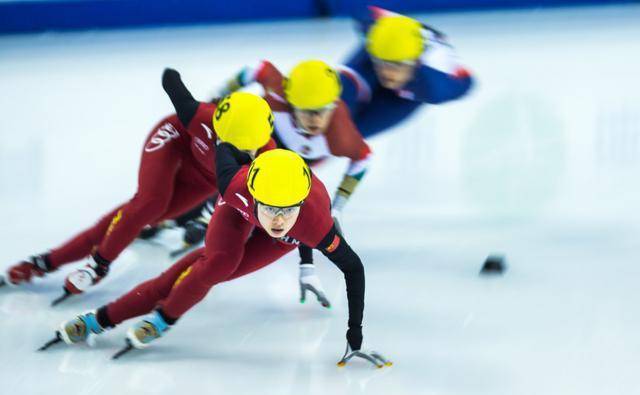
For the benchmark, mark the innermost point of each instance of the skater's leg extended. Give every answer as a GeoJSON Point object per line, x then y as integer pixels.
{"type": "Point", "coordinates": [139, 301]}
{"type": "Point", "coordinates": [83, 244]}
{"type": "Point", "coordinates": [211, 265]}
{"type": "Point", "coordinates": [109, 236]}
{"type": "Point", "coordinates": [79, 247]}
{"type": "Point", "coordinates": [156, 182]}
{"type": "Point", "coordinates": [146, 296]}
{"type": "Point", "coordinates": [223, 252]}
{"type": "Point", "coordinates": [231, 250]}
{"type": "Point", "coordinates": [260, 250]}
{"type": "Point", "coordinates": [155, 190]}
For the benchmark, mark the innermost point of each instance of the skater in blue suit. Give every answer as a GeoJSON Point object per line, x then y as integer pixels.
{"type": "Point", "coordinates": [402, 65]}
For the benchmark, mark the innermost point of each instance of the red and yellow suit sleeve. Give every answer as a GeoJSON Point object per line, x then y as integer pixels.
{"type": "Point", "coordinates": [345, 140]}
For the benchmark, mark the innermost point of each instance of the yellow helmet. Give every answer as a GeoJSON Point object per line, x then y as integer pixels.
{"type": "Point", "coordinates": [312, 84]}
{"type": "Point", "coordinates": [395, 38]}
{"type": "Point", "coordinates": [243, 120]}
{"type": "Point", "coordinates": [279, 178]}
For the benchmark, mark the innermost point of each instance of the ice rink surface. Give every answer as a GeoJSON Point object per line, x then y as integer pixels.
{"type": "Point", "coordinates": [540, 163]}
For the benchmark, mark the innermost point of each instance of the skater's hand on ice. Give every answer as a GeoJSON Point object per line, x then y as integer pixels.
{"type": "Point", "coordinates": [309, 281]}
{"type": "Point", "coordinates": [371, 356]}
{"type": "Point", "coordinates": [354, 342]}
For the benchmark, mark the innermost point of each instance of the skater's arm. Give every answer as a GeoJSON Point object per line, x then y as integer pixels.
{"type": "Point", "coordinates": [264, 73]}
{"type": "Point", "coordinates": [335, 247]}
{"type": "Point", "coordinates": [345, 140]}
{"type": "Point", "coordinates": [441, 77]}
{"type": "Point", "coordinates": [352, 177]}
{"type": "Point", "coordinates": [244, 77]}
{"type": "Point", "coordinates": [184, 103]}
{"type": "Point", "coordinates": [345, 189]}
{"type": "Point", "coordinates": [229, 160]}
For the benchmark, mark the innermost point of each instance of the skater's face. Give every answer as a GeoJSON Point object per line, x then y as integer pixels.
{"type": "Point", "coordinates": [315, 121]}
{"type": "Point", "coordinates": [394, 75]}
{"type": "Point", "coordinates": [277, 221]}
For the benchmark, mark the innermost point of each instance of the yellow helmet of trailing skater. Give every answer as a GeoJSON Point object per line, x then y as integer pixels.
{"type": "Point", "coordinates": [244, 120]}
{"type": "Point", "coordinates": [279, 178]}
{"type": "Point", "coordinates": [312, 84]}
{"type": "Point", "coordinates": [395, 38]}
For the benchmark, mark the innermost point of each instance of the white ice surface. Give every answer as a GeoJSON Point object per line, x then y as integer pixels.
{"type": "Point", "coordinates": [540, 163]}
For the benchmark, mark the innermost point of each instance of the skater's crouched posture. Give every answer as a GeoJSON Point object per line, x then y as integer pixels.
{"type": "Point", "coordinates": [177, 172]}
{"type": "Point", "coordinates": [266, 207]}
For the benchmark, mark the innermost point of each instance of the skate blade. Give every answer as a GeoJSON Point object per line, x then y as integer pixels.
{"type": "Point", "coordinates": [123, 351]}
{"type": "Point", "coordinates": [61, 298]}
{"type": "Point", "coordinates": [51, 342]}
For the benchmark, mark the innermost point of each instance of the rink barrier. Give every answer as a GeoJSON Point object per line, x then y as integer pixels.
{"type": "Point", "coordinates": [56, 15]}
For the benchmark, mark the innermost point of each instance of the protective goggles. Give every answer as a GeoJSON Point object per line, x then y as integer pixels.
{"type": "Point", "coordinates": [273, 211]}
{"type": "Point", "coordinates": [400, 64]}
{"type": "Point", "coordinates": [315, 111]}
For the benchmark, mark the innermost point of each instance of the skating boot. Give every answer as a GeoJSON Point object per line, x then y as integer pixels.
{"type": "Point", "coordinates": [80, 329]}
{"type": "Point", "coordinates": [147, 330]}
{"type": "Point", "coordinates": [92, 273]}
{"type": "Point", "coordinates": [139, 336]}
{"type": "Point", "coordinates": [25, 271]}
{"type": "Point", "coordinates": [82, 279]}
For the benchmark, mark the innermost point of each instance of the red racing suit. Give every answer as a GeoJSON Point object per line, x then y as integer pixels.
{"type": "Point", "coordinates": [177, 172]}
{"type": "Point", "coordinates": [236, 245]}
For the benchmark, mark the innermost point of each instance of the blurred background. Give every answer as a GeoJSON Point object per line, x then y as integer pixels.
{"type": "Point", "coordinates": [42, 15]}
{"type": "Point", "coordinates": [539, 163]}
